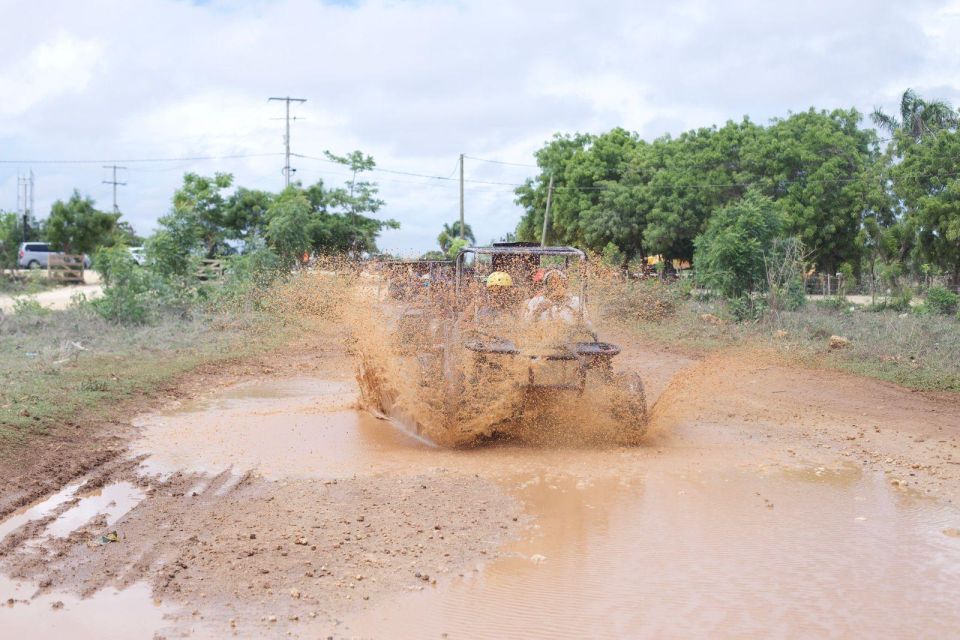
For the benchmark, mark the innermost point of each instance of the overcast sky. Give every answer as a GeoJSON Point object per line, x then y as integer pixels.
{"type": "Point", "coordinates": [417, 83]}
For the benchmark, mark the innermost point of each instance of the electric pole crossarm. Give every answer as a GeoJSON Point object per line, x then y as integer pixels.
{"type": "Point", "coordinates": [115, 184]}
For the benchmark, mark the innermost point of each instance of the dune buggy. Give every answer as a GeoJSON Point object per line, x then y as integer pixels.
{"type": "Point", "coordinates": [485, 380]}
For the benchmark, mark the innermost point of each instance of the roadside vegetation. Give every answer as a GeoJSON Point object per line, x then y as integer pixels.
{"type": "Point", "coordinates": [918, 347]}
{"type": "Point", "coordinates": [879, 207]}
{"type": "Point", "coordinates": [206, 293]}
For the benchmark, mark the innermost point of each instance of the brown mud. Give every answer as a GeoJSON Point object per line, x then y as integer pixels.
{"type": "Point", "coordinates": [764, 500]}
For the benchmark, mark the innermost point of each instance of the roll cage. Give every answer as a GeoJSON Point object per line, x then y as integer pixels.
{"type": "Point", "coordinates": [524, 258]}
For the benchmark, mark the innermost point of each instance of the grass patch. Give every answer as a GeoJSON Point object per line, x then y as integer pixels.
{"type": "Point", "coordinates": [25, 283]}
{"type": "Point", "coordinates": [63, 366]}
{"type": "Point", "coordinates": [918, 351]}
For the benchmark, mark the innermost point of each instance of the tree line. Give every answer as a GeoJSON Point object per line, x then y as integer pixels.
{"type": "Point", "coordinates": [860, 202]}
{"type": "Point", "coordinates": [209, 217]}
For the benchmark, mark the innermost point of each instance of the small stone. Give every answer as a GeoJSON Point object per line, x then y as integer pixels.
{"type": "Point", "coordinates": [952, 532]}
{"type": "Point", "coordinates": [253, 536]}
{"type": "Point", "coordinates": [271, 618]}
{"type": "Point", "coordinates": [294, 593]}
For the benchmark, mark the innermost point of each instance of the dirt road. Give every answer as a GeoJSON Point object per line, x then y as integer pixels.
{"type": "Point", "coordinates": [61, 297]}
{"type": "Point", "coordinates": [767, 500]}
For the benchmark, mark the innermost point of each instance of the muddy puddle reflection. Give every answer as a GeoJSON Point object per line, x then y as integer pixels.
{"type": "Point", "coordinates": [107, 615]}
{"type": "Point", "coordinates": [714, 538]}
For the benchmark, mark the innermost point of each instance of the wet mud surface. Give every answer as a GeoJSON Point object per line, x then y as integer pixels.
{"type": "Point", "coordinates": [764, 501]}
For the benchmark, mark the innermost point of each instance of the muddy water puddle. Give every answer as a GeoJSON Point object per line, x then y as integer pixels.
{"type": "Point", "coordinates": [110, 502]}
{"type": "Point", "coordinates": [715, 537]}
{"type": "Point", "coordinates": [107, 615]}
{"type": "Point", "coordinates": [297, 427]}
{"type": "Point", "coordinates": [714, 554]}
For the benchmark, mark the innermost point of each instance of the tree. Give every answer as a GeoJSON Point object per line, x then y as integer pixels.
{"type": "Point", "coordinates": [195, 227]}
{"type": "Point", "coordinates": [76, 226]}
{"type": "Point", "coordinates": [730, 252]}
{"type": "Point", "coordinates": [341, 224]}
{"type": "Point", "coordinates": [926, 179]}
{"type": "Point", "coordinates": [451, 232]}
{"type": "Point", "coordinates": [11, 233]}
{"type": "Point", "coordinates": [918, 117]}
{"type": "Point", "coordinates": [125, 235]}
{"type": "Point", "coordinates": [245, 213]}
{"type": "Point", "coordinates": [289, 225]}
{"type": "Point", "coordinates": [591, 205]}
{"type": "Point", "coordinates": [690, 177]}
{"type": "Point", "coordinates": [825, 173]}
{"type": "Point", "coordinates": [456, 245]}
{"type": "Point", "coordinates": [553, 159]}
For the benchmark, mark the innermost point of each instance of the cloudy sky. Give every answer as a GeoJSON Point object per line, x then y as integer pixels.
{"type": "Point", "coordinates": [417, 83]}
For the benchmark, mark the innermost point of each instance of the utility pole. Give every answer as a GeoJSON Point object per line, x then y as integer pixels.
{"type": "Point", "coordinates": [114, 183]}
{"type": "Point", "coordinates": [546, 214]}
{"type": "Point", "coordinates": [25, 183]}
{"type": "Point", "coordinates": [286, 138]}
{"type": "Point", "coordinates": [462, 228]}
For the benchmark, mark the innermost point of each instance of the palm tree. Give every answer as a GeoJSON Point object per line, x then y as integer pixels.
{"type": "Point", "coordinates": [918, 117]}
{"type": "Point", "coordinates": [451, 232]}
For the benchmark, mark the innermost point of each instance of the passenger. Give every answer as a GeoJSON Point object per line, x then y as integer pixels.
{"type": "Point", "coordinates": [554, 303]}
{"type": "Point", "coordinates": [498, 306]}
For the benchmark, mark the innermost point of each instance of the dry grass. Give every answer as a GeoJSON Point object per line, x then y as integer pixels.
{"type": "Point", "coordinates": [56, 366]}
{"type": "Point", "coordinates": [918, 351]}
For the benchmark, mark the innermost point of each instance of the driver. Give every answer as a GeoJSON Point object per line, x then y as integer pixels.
{"type": "Point", "coordinates": [554, 303]}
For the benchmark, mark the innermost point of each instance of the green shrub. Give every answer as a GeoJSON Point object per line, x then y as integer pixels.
{"type": "Point", "coordinates": [900, 301]}
{"type": "Point", "coordinates": [130, 294]}
{"type": "Point", "coordinates": [28, 307]}
{"type": "Point", "coordinates": [943, 301]}
{"type": "Point", "coordinates": [731, 252]}
{"type": "Point", "coordinates": [836, 303]}
{"type": "Point", "coordinates": [746, 308]}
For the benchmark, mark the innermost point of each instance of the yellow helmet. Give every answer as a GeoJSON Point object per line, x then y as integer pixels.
{"type": "Point", "coordinates": [499, 279]}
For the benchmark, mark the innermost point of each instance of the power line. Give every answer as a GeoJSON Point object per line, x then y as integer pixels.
{"type": "Point", "coordinates": [504, 162]}
{"type": "Point", "coordinates": [145, 160]}
{"type": "Point", "coordinates": [411, 173]}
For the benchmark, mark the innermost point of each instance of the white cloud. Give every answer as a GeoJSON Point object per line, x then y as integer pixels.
{"type": "Point", "coordinates": [61, 65]}
{"type": "Point", "coordinates": [417, 83]}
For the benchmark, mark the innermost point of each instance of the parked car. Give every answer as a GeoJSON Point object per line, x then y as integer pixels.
{"type": "Point", "coordinates": [36, 255]}
{"type": "Point", "coordinates": [138, 254]}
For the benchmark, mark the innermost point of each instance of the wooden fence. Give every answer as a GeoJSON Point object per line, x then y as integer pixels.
{"type": "Point", "coordinates": [210, 270]}
{"type": "Point", "coordinates": [65, 267]}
